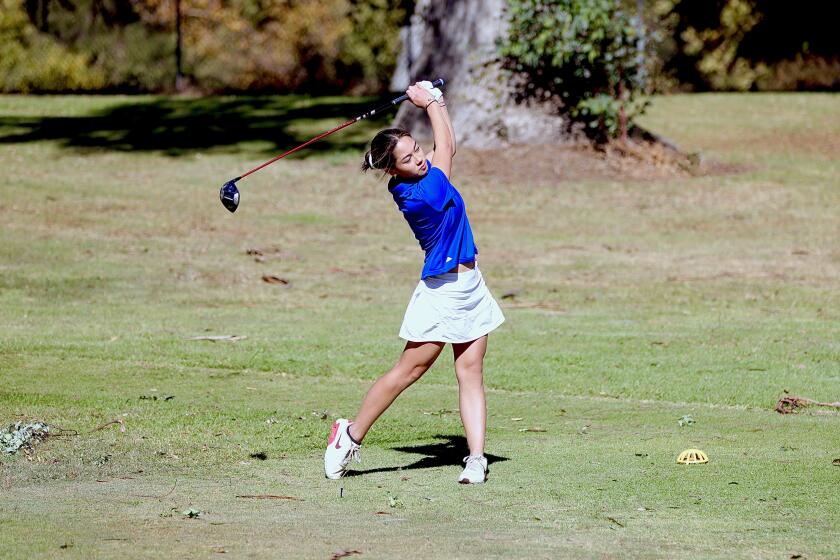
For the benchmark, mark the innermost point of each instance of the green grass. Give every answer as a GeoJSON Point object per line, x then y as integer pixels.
{"type": "Point", "coordinates": [638, 302]}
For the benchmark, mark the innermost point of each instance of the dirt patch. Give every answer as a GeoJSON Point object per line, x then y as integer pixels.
{"type": "Point", "coordinates": [574, 162]}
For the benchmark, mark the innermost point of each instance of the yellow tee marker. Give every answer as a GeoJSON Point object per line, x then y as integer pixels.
{"type": "Point", "coordinates": [692, 457]}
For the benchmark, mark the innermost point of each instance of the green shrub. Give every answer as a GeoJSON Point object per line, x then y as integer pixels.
{"type": "Point", "coordinates": [589, 56]}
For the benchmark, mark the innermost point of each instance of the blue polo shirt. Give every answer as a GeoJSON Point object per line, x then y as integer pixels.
{"type": "Point", "coordinates": [436, 214]}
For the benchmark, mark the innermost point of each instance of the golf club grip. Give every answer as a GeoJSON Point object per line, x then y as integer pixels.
{"type": "Point", "coordinates": [437, 83]}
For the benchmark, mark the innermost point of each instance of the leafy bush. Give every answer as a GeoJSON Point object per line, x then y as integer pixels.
{"type": "Point", "coordinates": [32, 61]}
{"type": "Point", "coordinates": [589, 56]}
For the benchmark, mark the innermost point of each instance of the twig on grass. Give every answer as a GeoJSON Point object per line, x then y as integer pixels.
{"type": "Point", "coordinates": [343, 553]}
{"type": "Point", "coordinates": [215, 338]}
{"type": "Point", "coordinates": [616, 521]}
{"type": "Point", "coordinates": [791, 404]}
{"type": "Point", "coordinates": [119, 421]}
{"type": "Point", "coordinates": [269, 497]}
{"type": "Point", "coordinates": [158, 497]}
{"type": "Point", "coordinates": [62, 432]}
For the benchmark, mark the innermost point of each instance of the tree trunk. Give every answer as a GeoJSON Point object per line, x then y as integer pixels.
{"type": "Point", "coordinates": [456, 40]}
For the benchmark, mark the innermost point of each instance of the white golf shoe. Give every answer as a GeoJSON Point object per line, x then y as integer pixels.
{"type": "Point", "coordinates": [340, 450]}
{"type": "Point", "coordinates": [476, 470]}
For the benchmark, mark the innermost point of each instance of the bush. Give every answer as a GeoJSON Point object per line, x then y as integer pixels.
{"type": "Point", "coordinates": [588, 56]}
{"type": "Point", "coordinates": [32, 61]}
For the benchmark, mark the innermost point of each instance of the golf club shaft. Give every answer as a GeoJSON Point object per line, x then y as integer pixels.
{"type": "Point", "coordinates": [437, 83]}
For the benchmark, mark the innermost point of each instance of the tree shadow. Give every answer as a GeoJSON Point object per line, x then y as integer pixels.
{"type": "Point", "coordinates": [449, 452]}
{"type": "Point", "coordinates": [178, 126]}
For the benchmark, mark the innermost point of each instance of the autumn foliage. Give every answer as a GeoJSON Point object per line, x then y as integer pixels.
{"type": "Point", "coordinates": [277, 45]}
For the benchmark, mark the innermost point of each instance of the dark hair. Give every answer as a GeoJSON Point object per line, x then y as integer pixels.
{"type": "Point", "coordinates": [381, 153]}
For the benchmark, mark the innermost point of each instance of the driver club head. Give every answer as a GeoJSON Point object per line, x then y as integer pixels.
{"type": "Point", "coordinates": [230, 195]}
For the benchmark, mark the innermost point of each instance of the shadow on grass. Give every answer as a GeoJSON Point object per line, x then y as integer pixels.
{"type": "Point", "coordinates": [177, 126]}
{"type": "Point", "coordinates": [449, 452]}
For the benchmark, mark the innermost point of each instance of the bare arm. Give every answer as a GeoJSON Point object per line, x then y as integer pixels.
{"type": "Point", "coordinates": [441, 128]}
{"type": "Point", "coordinates": [444, 140]}
{"type": "Point", "coordinates": [442, 103]}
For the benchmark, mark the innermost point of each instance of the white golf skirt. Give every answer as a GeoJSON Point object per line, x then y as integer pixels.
{"type": "Point", "coordinates": [451, 307]}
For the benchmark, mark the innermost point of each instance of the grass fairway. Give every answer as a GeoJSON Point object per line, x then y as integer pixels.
{"type": "Point", "coordinates": [637, 303]}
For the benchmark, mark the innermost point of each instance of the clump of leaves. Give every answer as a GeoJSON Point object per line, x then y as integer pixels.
{"type": "Point", "coordinates": [21, 435]}
{"type": "Point", "coordinates": [101, 460]}
{"type": "Point", "coordinates": [168, 513]}
{"type": "Point", "coordinates": [686, 420]}
{"type": "Point", "coordinates": [191, 513]}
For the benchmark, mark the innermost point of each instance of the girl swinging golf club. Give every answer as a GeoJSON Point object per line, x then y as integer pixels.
{"type": "Point", "coordinates": [451, 303]}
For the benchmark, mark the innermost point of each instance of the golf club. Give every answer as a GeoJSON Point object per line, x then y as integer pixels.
{"type": "Point", "coordinates": [230, 194]}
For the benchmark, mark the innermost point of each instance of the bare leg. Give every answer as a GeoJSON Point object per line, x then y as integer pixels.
{"type": "Point", "coordinates": [469, 366]}
{"type": "Point", "coordinates": [417, 357]}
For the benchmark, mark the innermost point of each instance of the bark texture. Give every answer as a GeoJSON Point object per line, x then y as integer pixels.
{"type": "Point", "coordinates": [456, 40]}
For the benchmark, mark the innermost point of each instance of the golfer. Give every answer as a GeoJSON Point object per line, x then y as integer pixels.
{"type": "Point", "coordinates": [451, 303]}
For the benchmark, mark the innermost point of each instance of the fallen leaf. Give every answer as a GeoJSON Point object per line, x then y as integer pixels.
{"type": "Point", "coordinates": [836, 462]}
{"type": "Point", "coordinates": [343, 553]}
{"type": "Point", "coordinates": [259, 455]}
{"type": "Point", "coordinates": [516, 419]}
{"type": "Point", "coordinates": [271, 279]}
{"type": "Point", "coordinates": [533, 429]}
{"type": "Point", "coordinates": [616, 521]}
{"type": "Point", "coordinates": [686, 420]}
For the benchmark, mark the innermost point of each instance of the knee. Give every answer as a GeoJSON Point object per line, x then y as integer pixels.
{"type": "Point", "coordinates": [470, 374]}
{"type": "Point", "coordinates": [406, 375]}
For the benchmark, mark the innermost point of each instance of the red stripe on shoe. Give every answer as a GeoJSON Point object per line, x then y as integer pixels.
{"type": "Point", "coordinates": [333, 433]}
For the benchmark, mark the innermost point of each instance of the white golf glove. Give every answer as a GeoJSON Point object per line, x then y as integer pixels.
{"type": "Point", "coordinates": [433, 90]}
